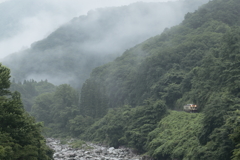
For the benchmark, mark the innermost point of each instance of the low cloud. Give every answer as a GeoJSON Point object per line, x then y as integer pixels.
{"type": "Point", "coordinates": [34, 26]}
{"type": "Point", "coordinates": [85, 42]}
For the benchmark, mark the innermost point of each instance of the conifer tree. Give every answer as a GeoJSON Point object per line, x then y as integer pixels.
{"type": "Point", "coordinates": [20, 136]}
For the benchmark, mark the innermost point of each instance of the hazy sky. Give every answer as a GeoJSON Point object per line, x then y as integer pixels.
{"type": "Point", "coordinates": [117, 2]}
{"type": "Point", "coordinates": [37, 27]}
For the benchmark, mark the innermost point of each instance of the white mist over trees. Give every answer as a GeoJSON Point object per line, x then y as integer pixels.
{"type": "Point", "coordinates": [70, 53]}
{"type": "Point", "coordinates": [23, 22]}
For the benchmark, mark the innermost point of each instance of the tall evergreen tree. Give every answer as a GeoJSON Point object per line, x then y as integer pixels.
{"type": "Point", "coordinates": [20, 136]}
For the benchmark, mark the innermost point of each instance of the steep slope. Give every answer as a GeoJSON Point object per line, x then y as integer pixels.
{"type": "Point", "coordinates": [76, 48]}
{"type": "Point", "coordinates": [194, 62]}
{"type": "Point", "coordinates": [160, 67]}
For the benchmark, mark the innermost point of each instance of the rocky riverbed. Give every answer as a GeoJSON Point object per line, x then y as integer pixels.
{"type": "Point", "coordinates": [91, 152]}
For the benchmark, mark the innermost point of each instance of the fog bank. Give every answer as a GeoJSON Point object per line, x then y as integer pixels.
{"type": "Point", "coordinates": [21, 25]}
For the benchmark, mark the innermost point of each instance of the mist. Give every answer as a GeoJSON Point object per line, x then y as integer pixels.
{"type": "Point", "coordinates": [70, 52]}
{"type": "Point", "coordinates": [22, 25]}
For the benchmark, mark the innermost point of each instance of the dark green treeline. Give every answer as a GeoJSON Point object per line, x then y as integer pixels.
{"type": "Point", "coordinates": [62, 109]}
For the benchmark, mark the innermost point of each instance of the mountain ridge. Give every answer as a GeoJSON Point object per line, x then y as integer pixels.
{"type": "Point", "coordinates": [98, 35]}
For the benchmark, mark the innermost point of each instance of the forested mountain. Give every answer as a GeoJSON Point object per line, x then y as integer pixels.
{"type": "Point", "coordinates": [194, 62]}
{"type": "Point", "coordinates": [70, 53]}
{"type": "Point", "coordinates": [20, 136]}
{"type": "Point", "coordinates": [164, 66]}
{"type": "Point", "coordinates": [136, 100]}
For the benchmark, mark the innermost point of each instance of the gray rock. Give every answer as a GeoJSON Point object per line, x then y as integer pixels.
{"type": "Point", "coordinates": [65, 152]}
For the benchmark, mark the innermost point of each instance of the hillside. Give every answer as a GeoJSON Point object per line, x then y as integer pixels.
{"type": "Point", "coordinates": [164, 66]}
{"type": "Point", "coordinates": [69, 54]}
{"type": "Point", "coordinates": [136, 100]}
{"type": "Point", "coordinates": [194, 62]}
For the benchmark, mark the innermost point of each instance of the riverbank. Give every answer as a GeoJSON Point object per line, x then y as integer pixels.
{"type": "Point", "coordinates": [90, 151]}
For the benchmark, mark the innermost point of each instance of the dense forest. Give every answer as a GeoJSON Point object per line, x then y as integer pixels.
{"type": "Point", "coordinates": [136, 100]}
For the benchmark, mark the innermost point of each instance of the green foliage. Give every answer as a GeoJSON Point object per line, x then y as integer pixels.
{"type": "Point", "coordinates": [93, 101]}
{"type": "Point", "coordinates": [75, 143]}
{"type": "Point", "coordinates": [80, 144]}
{"type": "Point", "coordinates": [64, 141]}
{"type": "Point", "coordinates": [221, 10]}
{"type": "Point", "coordinates": [108, 129]}
{"type": "Point", "coordinates": [221, 143]}
{"type": "Point", "coordinates": [62, 113]}
{"type": "Point", "coordinates": [4, 81]}
{"type": "Point", "coordinates": [42, 107]}
{"type": "Point", "coordinates": [79, 124]}
{"type": "Point", "coordinates": [143, 120]}
{"type": "Point", "coordinates": [234, 121]}
{"type": "Point", "coordinates": [58, 111]}
{"type": "Point", "coordinates": [127, 126]}
{"type": "Point", "coordinates": [175, 136]}
{"type": "Point", "coordinates": [20, 136]}
{"type": "Point", "coordinates": [30, 90]}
